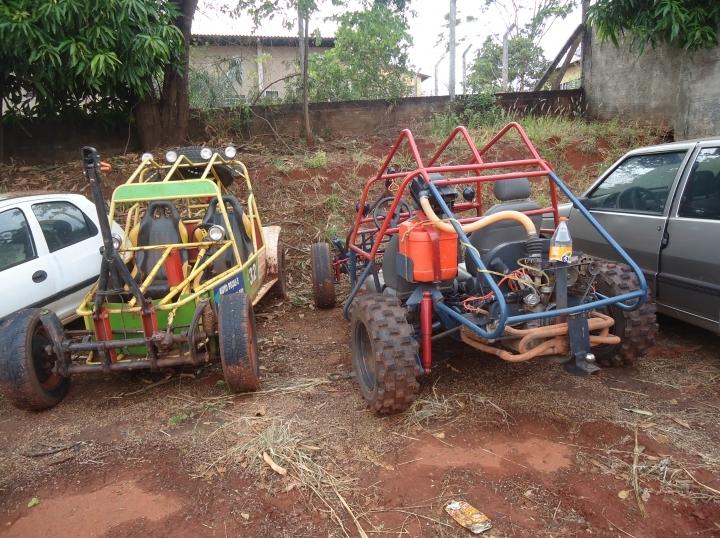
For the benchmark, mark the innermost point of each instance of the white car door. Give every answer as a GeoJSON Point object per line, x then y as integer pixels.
{"type": "Point", "coordinates": [25, 265]}
{"type": "Point", "coordinates": [73, 241]}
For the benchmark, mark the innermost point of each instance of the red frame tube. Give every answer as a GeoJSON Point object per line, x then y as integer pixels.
{"type": "Point", "coordinates": [426, 312]}
{"type": "Point", "coordinates": [476, 164]}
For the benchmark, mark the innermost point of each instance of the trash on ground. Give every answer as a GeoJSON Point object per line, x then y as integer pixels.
{"type": "Point", "coordinates": [468, 516]}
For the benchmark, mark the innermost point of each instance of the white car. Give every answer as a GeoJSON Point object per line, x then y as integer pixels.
{"type": "Point", "coordinates": [49, 251]}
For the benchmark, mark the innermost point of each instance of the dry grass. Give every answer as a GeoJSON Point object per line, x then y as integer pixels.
{"type": "Point", "coordinates": [278, 448]}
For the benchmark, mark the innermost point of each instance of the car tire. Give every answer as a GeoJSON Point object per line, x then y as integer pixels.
{"type": "Point", "coordinates": [238, 343]}
{"type": "Point", "coordinates": [637, 329]}
{"type": "Point", "coordinates": [26, 377]}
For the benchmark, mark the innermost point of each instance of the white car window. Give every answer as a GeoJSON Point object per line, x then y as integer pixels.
{"type": "Point", "coordinates": [16, 242]}
{"type": "Point", "coordinates": [63, 224]}
{"type": "Point", "coordinates": [640, 184]}
{"type": "Point", "coordinates": [701, 199]}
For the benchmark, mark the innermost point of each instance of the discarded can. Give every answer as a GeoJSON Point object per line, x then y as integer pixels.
{"type": "Point", "coordinates": [468, 516]}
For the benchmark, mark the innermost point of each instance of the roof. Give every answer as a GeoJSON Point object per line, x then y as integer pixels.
{"type": "Point", "coordinates": [422, 76]}
{"type": "Point", "coordinates": [252, 40]}
{"type": "Point", "coordinates": [679, 145]}
{"type": "Point", "coordinates": [28, 194]}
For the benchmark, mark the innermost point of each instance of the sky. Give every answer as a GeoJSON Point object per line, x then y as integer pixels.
{"type": "Point", "coordinates": [426, 24]}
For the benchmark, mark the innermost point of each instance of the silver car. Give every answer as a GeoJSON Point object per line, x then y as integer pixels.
{"type": "Point", "coordinates": [662, 204]}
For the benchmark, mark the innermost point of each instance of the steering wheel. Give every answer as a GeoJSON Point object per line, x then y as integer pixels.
{"type": "Point", "coordinates": [379, 212]}
{"type": "Point", "coordinates": [6, 236]}
{"type": "Point", "coordinates": [638, 198]}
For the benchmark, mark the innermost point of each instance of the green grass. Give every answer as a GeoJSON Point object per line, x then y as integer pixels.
{"type": "Point", "coordinates": [317, 160]}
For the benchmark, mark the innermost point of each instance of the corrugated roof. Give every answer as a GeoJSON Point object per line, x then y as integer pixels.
{"type": "Point", "coordinates": [251, 40]}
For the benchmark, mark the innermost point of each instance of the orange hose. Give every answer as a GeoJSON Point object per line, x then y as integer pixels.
{"type": "Point", "coordinates": [521, 218]}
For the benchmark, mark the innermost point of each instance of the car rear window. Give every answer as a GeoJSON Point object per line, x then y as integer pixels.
{"type": "Point", "coordinates": [63, 224]}
{"type": "Point", "coordinates": [16, 243]}
{"type": "Point", "coordinates": [701, 198]}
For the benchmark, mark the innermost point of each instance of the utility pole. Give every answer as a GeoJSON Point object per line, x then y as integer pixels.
{"type": "Point", "coordinates": [452, 23]}
{"type": "Point", "coordinates": [436, 72]}
{"type": "Point", "coordinates": [464, 76]}
{"type": "Point", "coordinates": [506, 45]}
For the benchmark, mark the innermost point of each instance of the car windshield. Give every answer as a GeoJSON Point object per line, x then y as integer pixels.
{"type": "Point", "coordinates": [641, 183]}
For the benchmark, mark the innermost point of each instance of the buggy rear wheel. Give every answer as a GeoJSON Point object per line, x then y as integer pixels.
{"type": "Point", "coordinates": [27, 358]}
{"type": "Point", "coordinates": [323, 276]}
{"type": "Point", "coordinates": [637, 329]}
{"type": "Point", "coordinates": [238, 343]}
{"type": "Point", "coordinates": [383, 352]}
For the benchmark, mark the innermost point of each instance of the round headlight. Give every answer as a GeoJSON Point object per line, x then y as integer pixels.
{"type": "Point", "coordinates": [230, 152]}
{"type": "Point", "coordinates": [216, 233]}
{"type": "Point", "coordinates": [146, 157]}
{"type": "Point", "coordinates": [206, 153]}
{"type": "Point", "coordinates": [116, 241]}
{"type": "Point", "coordinates": [171, 156]}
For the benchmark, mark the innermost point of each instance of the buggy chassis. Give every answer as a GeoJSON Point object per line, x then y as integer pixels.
{"type": "Point", "coordinates": [177, 289]}
{"type": "Point", "coordinates": [360, 255]}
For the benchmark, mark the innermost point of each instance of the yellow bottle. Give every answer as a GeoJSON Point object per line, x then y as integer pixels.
{"type": "Point", "coordinates": [561, 243]}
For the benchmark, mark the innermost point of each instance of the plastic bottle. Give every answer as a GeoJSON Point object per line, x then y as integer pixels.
{"type": "Point", "coordinates": [561, 243]}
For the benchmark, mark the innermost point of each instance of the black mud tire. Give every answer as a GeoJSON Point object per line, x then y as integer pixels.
{"type": "Point", "coordinates": [25, 377]}
{"type": "Point", "coordinates": [384, 353]}
{"type": "Point", "coordinates": [637, 329]}
{"type": "Point", "coordinates": [323, 276]}
{"type": "Point", "coordinates": [238, 343]}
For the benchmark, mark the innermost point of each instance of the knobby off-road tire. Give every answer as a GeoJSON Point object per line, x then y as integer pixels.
{"type": "Point", "coordinates": [637, 329]}
{"type": "Point", "coordinates": [26, 379]}
{"type": "Point", "coordinates": [383, 352]}
{"type": "Point", "coordinates": [323, 276]}
{"type": "Point", "coordinates": [238, 343]}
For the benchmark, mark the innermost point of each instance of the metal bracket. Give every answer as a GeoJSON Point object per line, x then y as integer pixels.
{"type": "Point", "coordinates": [582, 362]}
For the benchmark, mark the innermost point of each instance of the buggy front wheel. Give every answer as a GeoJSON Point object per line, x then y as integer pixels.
{"type": "Point", "coordinates": [238, 343]}
{"type": "Point", "coordinates": [27, 360]}
{"type": "Point", "coordinates": [384, 353]}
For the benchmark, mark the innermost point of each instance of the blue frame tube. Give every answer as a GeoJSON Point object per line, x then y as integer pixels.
{"type": "Point", "coordinates": [640, 294]}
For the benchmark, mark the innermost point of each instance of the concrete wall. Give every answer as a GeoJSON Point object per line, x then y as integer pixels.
{"type": "Point", "coordinates": [276, 62]}
{"type": "Point", "coordinates": [665, 85]}
{"type": "Point", "coordinates": [358, 118]}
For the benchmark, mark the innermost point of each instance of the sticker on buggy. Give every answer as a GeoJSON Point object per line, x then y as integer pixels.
{"type": "Point", "coordinates": [232, 285]}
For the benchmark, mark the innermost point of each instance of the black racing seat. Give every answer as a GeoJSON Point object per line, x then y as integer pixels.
{"type": "Point", "coordinates": [514, 195]}
{"type": "Point", "coordinates": [160, 225]}
{"type": "Point", "coordinates": [236, 215]}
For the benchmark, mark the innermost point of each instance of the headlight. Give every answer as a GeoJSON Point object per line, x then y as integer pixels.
{"type": "Point", "coordinates": [206, 153]}
{"type": "Point", "coordinates": [171, 156]}
{"type": "Point", "coordinates": [116, 241]}
{"type": "Point", "coordinates": [230, 152]}
{"type": "Point", "coordinates": [146, 157]}
{"type": "Point", "coordinates": [216, 233]}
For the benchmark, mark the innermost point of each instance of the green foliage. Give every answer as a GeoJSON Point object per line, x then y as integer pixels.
{"type": "Point", "coordinates": [526, 64]}
{"type": "Point", "coordinates": [369, 60]}
{"type": "Point", "coordinates": [316, 160]}
{"type": "Point", "coordinates": [215, 86]}
{"type": "Point", "coordinates": [688, 24]}
{"type": "Point", "coordinates": [61, 55]}
{"type": "Point", "coordinates": [526, 59]}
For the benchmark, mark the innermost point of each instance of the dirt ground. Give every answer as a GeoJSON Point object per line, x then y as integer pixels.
{"type": "Point", "coordinates": [628, 452]}
{"type": "Point", "coordinates": [539, 451]}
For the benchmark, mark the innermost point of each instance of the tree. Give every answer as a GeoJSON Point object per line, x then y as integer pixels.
{"type": "Point", "coordinates": [687, 24]}
{"type": "Point", "coordinates": [369, 60]}
{"type": "Point", "coordinates": [526, 64]}
{"type": "Point", "coordinates": [81, 55]}
{"type": "Point", "coordinates": [526, 59]}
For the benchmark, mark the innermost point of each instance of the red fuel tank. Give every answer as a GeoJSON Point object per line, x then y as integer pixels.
{"type": "Point", "coordinates": [433, 253]}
